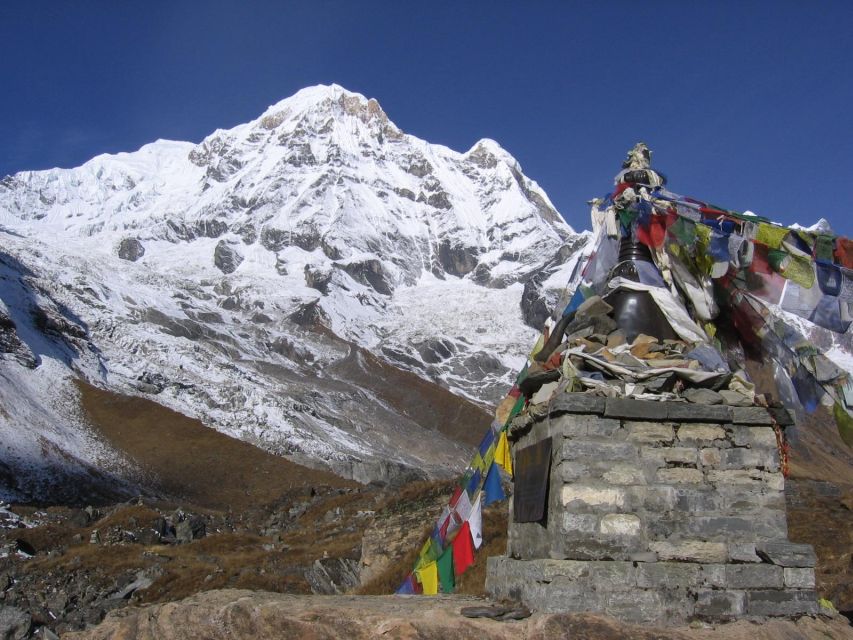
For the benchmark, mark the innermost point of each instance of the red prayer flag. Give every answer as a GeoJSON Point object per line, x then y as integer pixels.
{"type": "Point", "coordinates": [463, 550]}
{"type": "Point", "coordinates": [760, 262]}
{"type": "Point", "coordinates": [844, 252]}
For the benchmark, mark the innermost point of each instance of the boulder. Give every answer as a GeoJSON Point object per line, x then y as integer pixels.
{"type": "Point", "coordinates": [226, 257]}
{"type": "Point", "coordinates": [14, 623]}
{"type": "Point", "coordinates": [130, 249]}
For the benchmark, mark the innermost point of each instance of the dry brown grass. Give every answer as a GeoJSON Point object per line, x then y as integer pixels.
{"type": "Point", "coordinates": [188, 461]}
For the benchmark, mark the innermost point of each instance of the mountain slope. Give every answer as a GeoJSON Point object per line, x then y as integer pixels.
{"type": "Point", "coordinates": [264, 280]}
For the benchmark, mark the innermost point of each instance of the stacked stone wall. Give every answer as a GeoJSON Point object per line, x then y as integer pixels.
{"type": "Point", "coordinates": [658, 512]}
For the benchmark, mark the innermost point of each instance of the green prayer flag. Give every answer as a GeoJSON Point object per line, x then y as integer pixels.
{"type": "Point", "coordinates": [626, 217]}
{"type": "Point", "coordinates": [684, 230]}
{"type": "Point", "coordinates": [824, 246]}
{"type": "Point", "coordinates": [445, 570]}
{"type": "Point", "coordinates": [844, 421]}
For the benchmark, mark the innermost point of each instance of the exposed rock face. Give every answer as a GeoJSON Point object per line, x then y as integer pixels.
{"type": "Point", "coordinates": [130, 249]}
{"type": "Point", "coordinates": [244, 614]}
{"type": "Point", "coordinates": [226, 258]}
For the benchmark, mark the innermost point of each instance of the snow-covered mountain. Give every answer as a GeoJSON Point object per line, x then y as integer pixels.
{"type": "Point", "coordinates": [279, 279]}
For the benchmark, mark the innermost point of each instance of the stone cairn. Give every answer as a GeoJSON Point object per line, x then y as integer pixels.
{"type": "Point", "coordinates": [655, 512]}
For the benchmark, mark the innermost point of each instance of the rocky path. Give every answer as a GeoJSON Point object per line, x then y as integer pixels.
{"type": "Point", "coordinates": [244, 614]}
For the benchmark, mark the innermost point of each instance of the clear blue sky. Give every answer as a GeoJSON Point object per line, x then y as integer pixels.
{"type": "Point", "coordinates": [746, 104]}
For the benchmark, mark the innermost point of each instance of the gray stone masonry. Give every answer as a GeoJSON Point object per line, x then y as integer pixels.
{"type": "Point", "coordinates": [658, 512]}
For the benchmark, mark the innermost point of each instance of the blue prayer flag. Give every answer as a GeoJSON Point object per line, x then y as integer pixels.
{"type": "Point", "coordinates": [487, 441]}
{"type": "Point", "coordinates": [473, 483]}
{"type": "Point", "coordinates": [407, 588]}
{"type": "Point", "coordinates": [492, 488]}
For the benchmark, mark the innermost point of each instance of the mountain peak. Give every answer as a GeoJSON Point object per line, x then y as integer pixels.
{"type": "Point", "coordinates": [487, 153]}
{"type": "Point", "coordinates": [325, 99]}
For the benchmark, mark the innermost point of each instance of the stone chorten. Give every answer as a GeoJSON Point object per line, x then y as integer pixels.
{"type": "Point", "coordinates": [651, 510]}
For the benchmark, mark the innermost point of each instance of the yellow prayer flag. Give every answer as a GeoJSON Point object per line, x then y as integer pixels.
{"type": "Point", "coordinates": [488, 457]}
{"type": "Point", "coordinates": [428, 577]}
{"type": "Point", "coordinates": [477, 462]}
{"type": "Point", "coordinates": [800, 270]}
{"type": "Point", "coordinates": [502, 453]}
{"type": "Point", "coordinates": [770, 235]}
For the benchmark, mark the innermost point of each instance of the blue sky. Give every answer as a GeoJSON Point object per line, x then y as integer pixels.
{"type": "Point", "coordinates": [748, 105]}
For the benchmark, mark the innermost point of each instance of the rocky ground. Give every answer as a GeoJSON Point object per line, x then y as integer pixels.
{"type": "Point", "coordinates": [243, 614]}
{"type": "Point", "coordinates": [216, 515]}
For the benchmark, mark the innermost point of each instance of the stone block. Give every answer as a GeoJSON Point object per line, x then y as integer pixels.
{"type": "Point", "coordinates": [621, 524]}
{"type": "Point", "coordinates": [594, 548]}
{"type": "Point", "coordinates": [639, 409]}
{"type": "Point", "coordinates": [572, 470]}
{"type": "Point", "coordinates": [741, 477]}
{"type": "Point", "coordinates": [636, 607]}
{"type": "Point", "coordinates": [672, 525]}
{"type": "Point", "coordinates": [781, 603]}
{"type": "Point", "coordinates": [755, 437]}
{"type": "Point", "coordinates": [581, 426]}
{"type": "Point", "coordinates": [697, 500]}
{"type": "Point", "coordinates": [712, 575]}
{"type": "Point", "coordinates": [799, 578]}
{"type": "Point", "coordinates": [787, 554]}
{"type": "Point", "coordinates": [625, 474]}
{"type": "Point", "coordinates": [740, 500]}
{"type": "Point", "coordinates": [743, 553]}
{"type": "Point", "coordinates": [710, 457]}
{"type": "Point", "coordinates": [607, 497]}
{"type": "Point", "coordinates": [765, 459]}
{"type": "Point", "coordinates": [577, 403]}
{"type": "Point", "coordinates": [774, 480]}
{"type": "Point", "coordinates": [578, 523]}
{"type": "Point", "coordinates": [701, 434]}
{"type": "Point", "coordinates": [783, 417]}
{"type": "Point", "coordinates": [719, 605]}
{"type": "Point", "coordinates": [662, 575]}
{"type": "Point", "coordinates": [758, 526]}
{"type": "Point", "coordinates": [680, 475]}
{"type": "Point", "coordinates": [613, 576]}
{"type": "Point", "coordinates": [661, 456]}
{"type": "Point", "coordinates": [721, 528]}
{"type": "Point", "coordinates": [649, 432]}
{"type": "Point", "coordinates": [585, 450]}
{"type": "Point", "coordinates": [689, 412]}
{"type": "Point", "coordinates": [751, 415]}
{"type": "Point", "coordinates": [754, 576]}
{"type": "Point", "coordinates": [691, 551]}
{"type": "Point", "coordinates": [656, 499]}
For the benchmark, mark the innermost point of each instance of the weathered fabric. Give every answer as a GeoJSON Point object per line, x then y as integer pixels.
{"type": "Point", "coordinates": [445, 570]}
{"type": "Point", "coordinates": [463, 550]}
{"type": "Point", "coordinates": [428, 577]}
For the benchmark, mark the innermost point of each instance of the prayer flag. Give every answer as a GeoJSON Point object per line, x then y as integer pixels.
{"type": "Point", "coordinates": [428, 577]}
{"type": "Point", "coordinates": [502, 453]}
{"type": "Point", "coordinates": [845, 424]}
{"type": "Point", "coordinates": [486, 442]}
{"type": "Point", "coordinates": [445, 570]}
{"type": "Point", "coordinates": [473, 483]}
{"type": "Point", "coordinates": [408, 586]}
{"type": "Point", "coordinates": [463, 550]}
{"type": "Point", "coordinates": [770, 235]}
{"type": "Point", "coordinates": [844, 252]}
{"type": "Point", "coordinates": [492, 487]}
{"type": "Point", "coordinates": [475, 521]}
